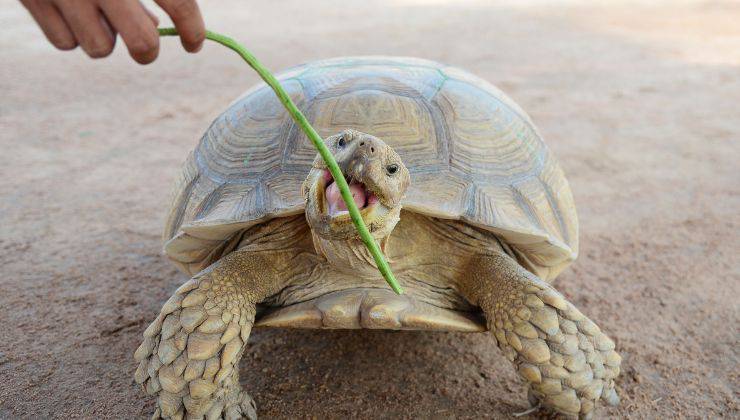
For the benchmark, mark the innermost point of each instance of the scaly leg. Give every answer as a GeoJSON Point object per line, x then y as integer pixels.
{"type": "Point", "coordinates": [190, 354]}
{"type": "Point", "coordinates": [569, 363]}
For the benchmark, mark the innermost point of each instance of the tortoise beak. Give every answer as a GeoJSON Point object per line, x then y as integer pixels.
{"type": "Point", "coordinates": [333, 204]}
{"type": "Point", "coordinates": [377, 192]}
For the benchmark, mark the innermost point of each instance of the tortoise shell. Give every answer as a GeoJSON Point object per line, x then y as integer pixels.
{"type": "Point", "coordinates": [472, 153]}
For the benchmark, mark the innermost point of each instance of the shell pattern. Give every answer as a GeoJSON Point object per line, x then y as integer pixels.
{"type": "Point", "coordinates": [473, 155]}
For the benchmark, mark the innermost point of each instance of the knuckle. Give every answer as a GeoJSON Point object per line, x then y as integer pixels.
{"type": "Point", "coordinates": [182, 8]}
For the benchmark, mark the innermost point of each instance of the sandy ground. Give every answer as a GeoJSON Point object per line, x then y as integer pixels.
{"type": "Point", "coordinates": [640, 103]}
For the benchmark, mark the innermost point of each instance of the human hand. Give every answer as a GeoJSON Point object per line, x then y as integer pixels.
{"type": "Point", "coordinates": [93, 25]}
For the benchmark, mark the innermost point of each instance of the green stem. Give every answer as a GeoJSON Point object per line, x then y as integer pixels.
{"type": "Point", "coordinates": [317, 141]}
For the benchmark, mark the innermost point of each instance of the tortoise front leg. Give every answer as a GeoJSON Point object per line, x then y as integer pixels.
{"type": "Point", "coordinates": [569, 363]}
{"type": "Point", "coordinates": [190, 354]}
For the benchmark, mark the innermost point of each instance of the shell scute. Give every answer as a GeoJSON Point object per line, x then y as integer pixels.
{"type": "Point", "coordinates": [472, 153]}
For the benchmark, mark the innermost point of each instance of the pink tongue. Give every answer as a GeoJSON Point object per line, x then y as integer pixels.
{"type": "Point", "coordinates": [334, 197]}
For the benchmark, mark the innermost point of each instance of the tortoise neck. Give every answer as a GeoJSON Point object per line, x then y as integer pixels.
{"type": "Point", "coordinates": [347, 255]}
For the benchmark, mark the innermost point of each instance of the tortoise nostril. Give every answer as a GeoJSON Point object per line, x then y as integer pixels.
{"type": "Point", "coordinates": [362, 143]}
{"type": "Point", "coordinates": [372, 150]}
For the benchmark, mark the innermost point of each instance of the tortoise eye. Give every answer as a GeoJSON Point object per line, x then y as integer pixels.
{"type": "Point", "coordinates": [341, 142]}
{"type": "Point", "coordinates": [391, 169]}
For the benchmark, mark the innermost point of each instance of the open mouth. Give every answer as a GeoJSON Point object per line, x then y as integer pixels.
{"type": "Point", "coordinates": [334, 205]}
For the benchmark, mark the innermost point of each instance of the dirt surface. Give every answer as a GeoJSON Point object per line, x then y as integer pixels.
{"type": "Point", "coordinates": [639, 102]}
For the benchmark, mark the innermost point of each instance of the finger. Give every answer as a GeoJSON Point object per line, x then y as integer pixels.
{"type": "Point", "coordinates": [188, 21]}
{"type": "Point", "coordinates": [108, 28]}
{"type": "Point", "coordinates": [50, 20]}
{"type": "Point", "coordinates": [131, 20]}
{"type": "Point", "coordinates": [152, 16]}
{"type": "Point", "coordinates": [88, 26]}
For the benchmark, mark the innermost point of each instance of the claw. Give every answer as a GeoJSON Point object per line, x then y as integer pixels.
{"type": "Point", "coordinates": [179, 363]}
{"type": "Point", "coordinates": [525, 412]}
{"type": "Point", "coordinates": [249, 408]}
{"type": "Point", "coordinates": [215, 412]}
{"type": "Point", "coordinates": [233, 413]}
{"type": "Point", "coordinates": [586, 416]}
{"type": "Point", "coordinates": [611, 397]}
{"type": "Point", "coordinates": [568, 362]}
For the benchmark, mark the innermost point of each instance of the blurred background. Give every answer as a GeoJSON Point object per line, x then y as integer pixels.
{"type": "Point", "coordinates": [639, 100]}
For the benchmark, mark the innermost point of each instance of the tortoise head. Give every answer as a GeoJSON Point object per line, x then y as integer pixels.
{"type": "Point", "coordinates": [378, 180]}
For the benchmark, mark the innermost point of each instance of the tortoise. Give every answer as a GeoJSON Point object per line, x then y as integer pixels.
{"type": "Point", "coordinates": [453, 180]}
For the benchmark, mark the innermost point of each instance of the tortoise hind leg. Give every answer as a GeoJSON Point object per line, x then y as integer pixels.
{"type": "Point", "coordinates": [190, 354]}
{"type": "Point", "coordinates": [569, 363]}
